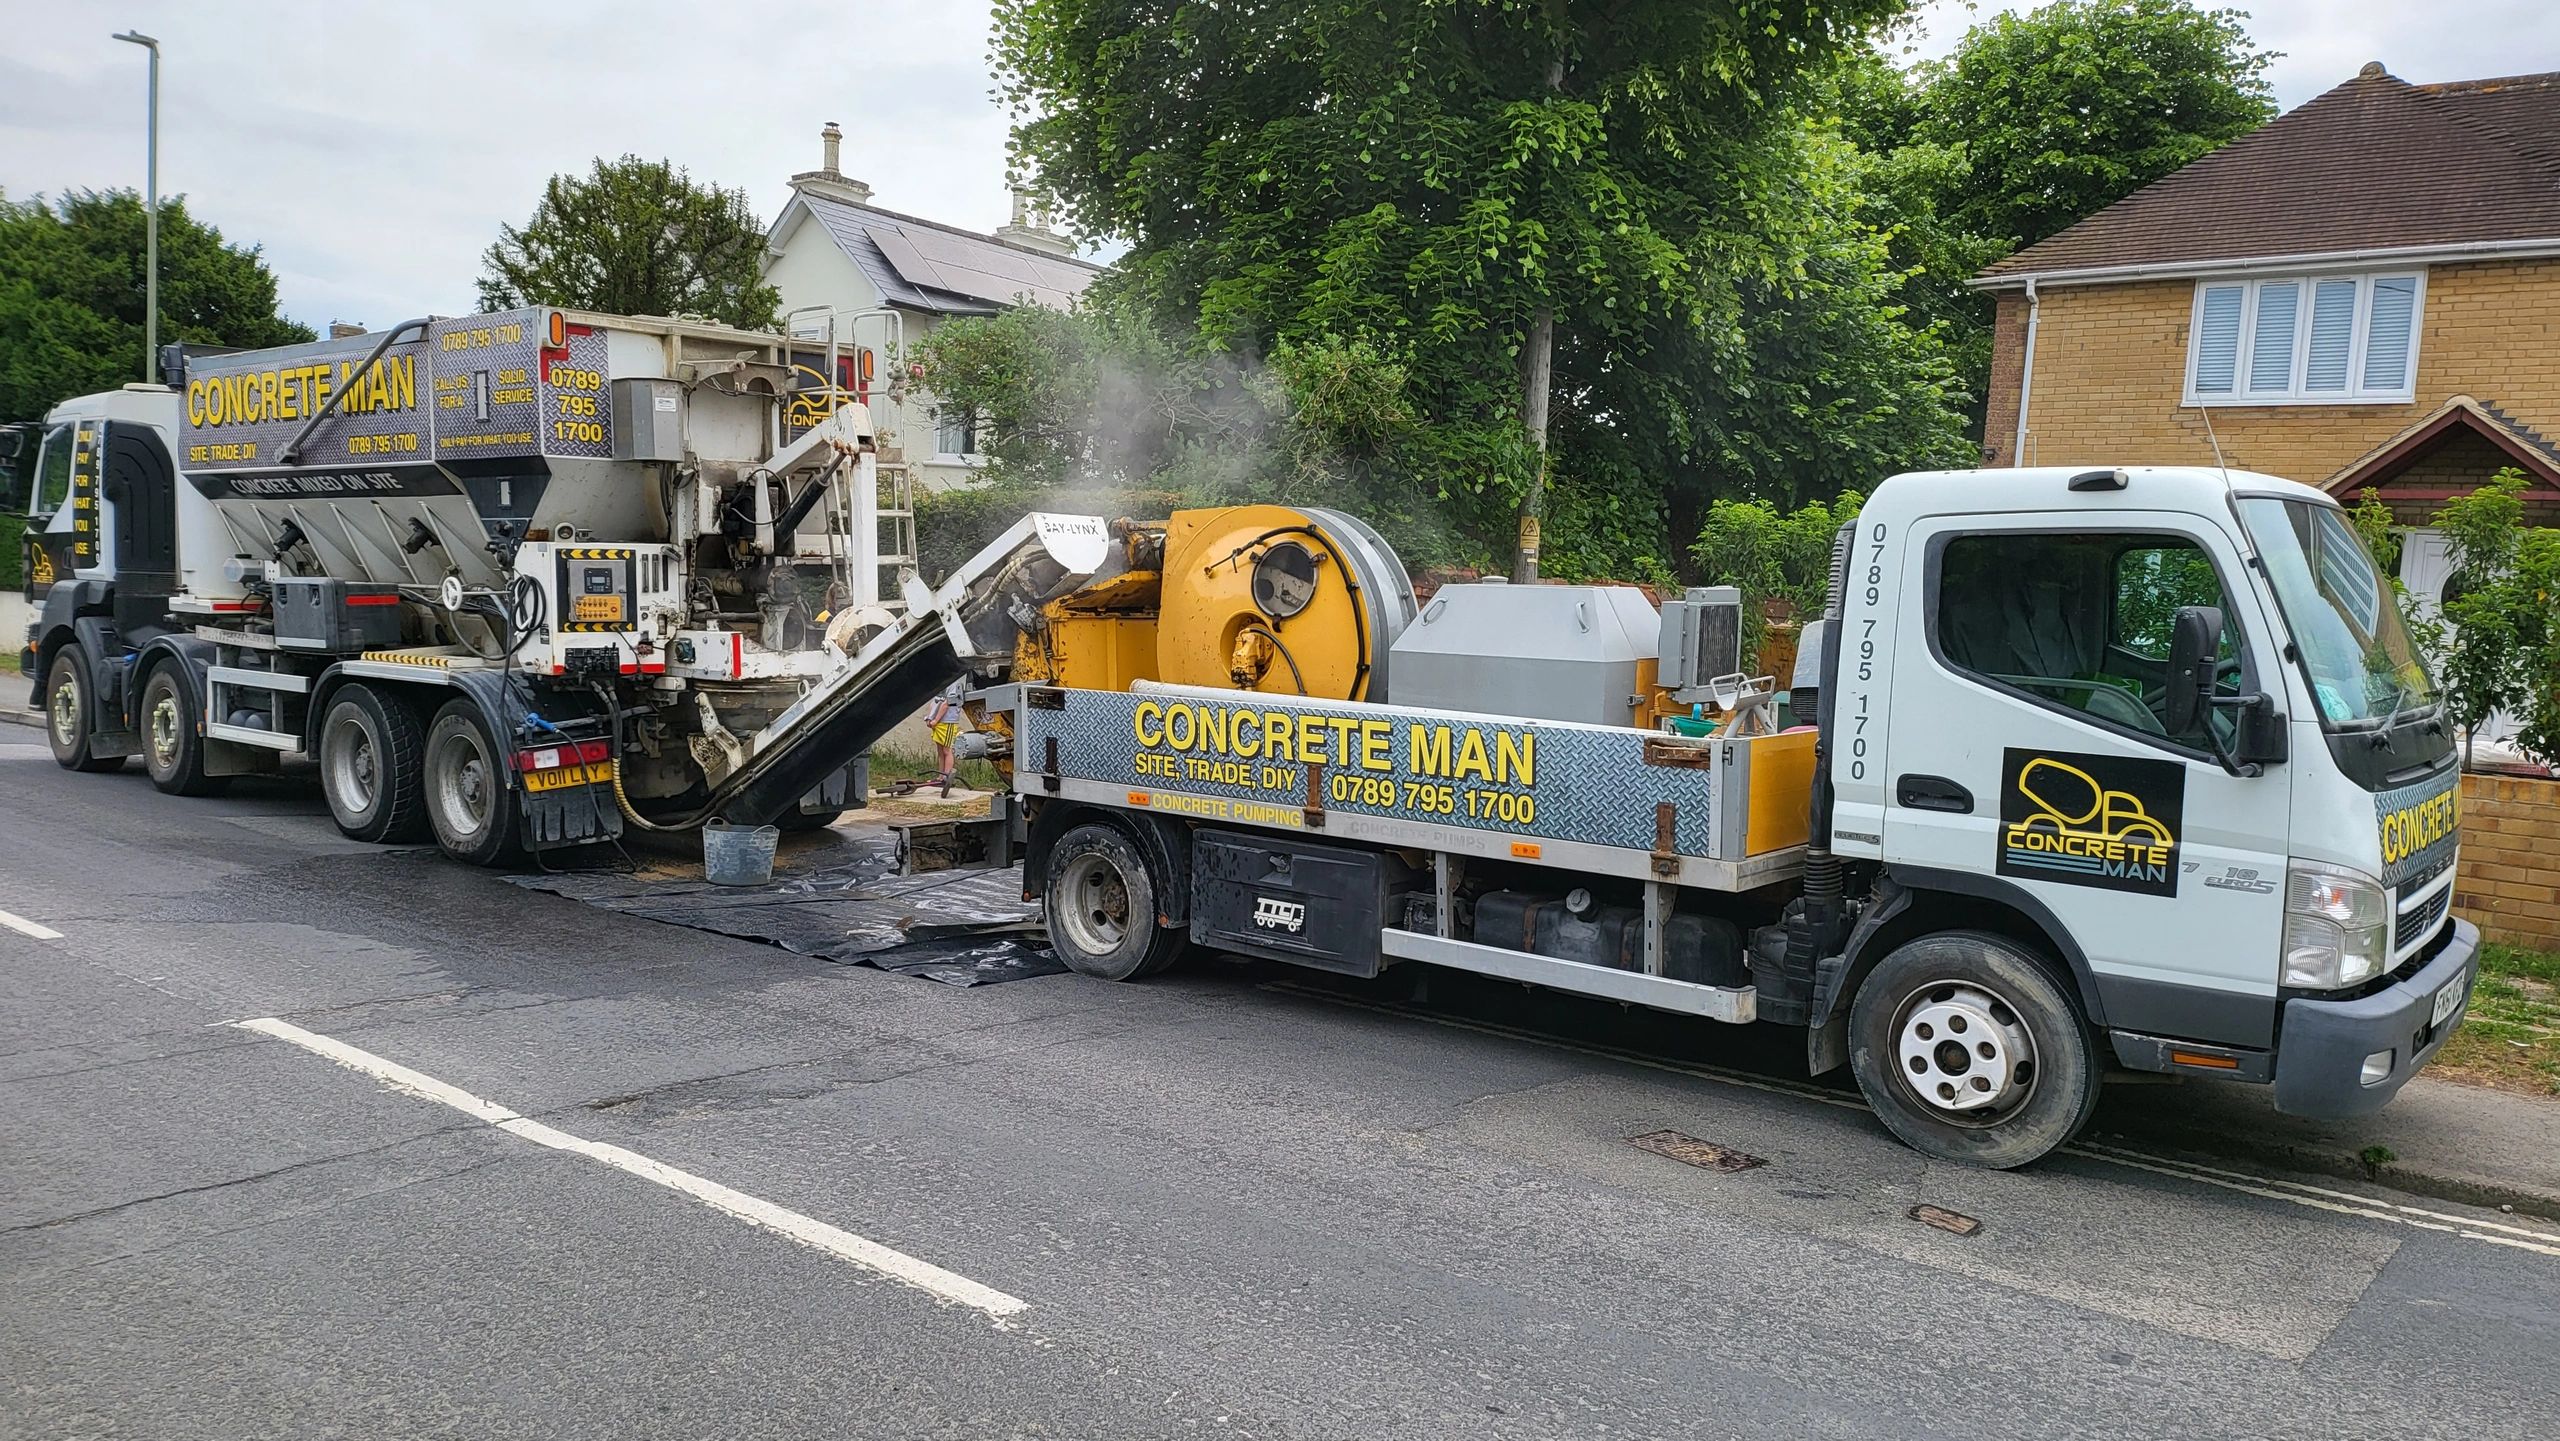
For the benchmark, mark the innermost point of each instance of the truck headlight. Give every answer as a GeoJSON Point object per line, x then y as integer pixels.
{"type": "Point", "coordinates": [2337, 927]}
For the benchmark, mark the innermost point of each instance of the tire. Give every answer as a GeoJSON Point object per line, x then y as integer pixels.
{"type": "Point", "coordinates": [469, 802]}
{"type": "Point", "coordinates": [1971, 1051]}
{"type": "Point", "coordinates": [372, 761]}
{"type": "Point", "coordinates": [67, 713]}
{"type": "Point", "coordinates": [1101, 907]}
{"type": "Point", "coordinates": [172, 743]}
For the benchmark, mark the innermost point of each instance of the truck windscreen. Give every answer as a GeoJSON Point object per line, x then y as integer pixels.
{"type": "Point", "coordinates": [2355, 651]}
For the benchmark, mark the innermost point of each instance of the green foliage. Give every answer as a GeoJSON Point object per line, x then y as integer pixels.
{"type": "Point", "coordinates": [2075, 105]}
{"type": "Point", "coordinates": [2032, 124]}
{"type": "Point", "coordinates": [1406, 186]}
{"type": "Point", "coordinates": [13, 560]}
{"type": "Point", "coordinates": [1773, 555]}
{"type": "Point", "coordinates": [2500, 643]}
{"type": "Point", "coordinates": [635, 237]}
{"type": "Point", "coordinates": [72, 290]}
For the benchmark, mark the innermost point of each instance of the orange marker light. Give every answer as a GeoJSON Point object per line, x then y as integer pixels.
{"type": "Point", "coordinates": [1525, 850]}
{"type": "Point", "coordinates": [559, 333]}
{"type": "Point", "coordinates": [2210, 1063]}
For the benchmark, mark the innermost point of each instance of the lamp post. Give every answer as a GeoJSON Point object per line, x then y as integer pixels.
{"type": "Point", "coordinates": [150, 214]}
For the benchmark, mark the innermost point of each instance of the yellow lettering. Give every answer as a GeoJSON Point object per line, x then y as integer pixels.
{"type": "Point", "coordinates": [1515, 757]}
{"type": "Point", "coordinates": [1178, 733]}
{"type": "Point", "coordinates": [1472, 763]}
{"type": "Point", "coordinates": [1246, 748]}
{"type": "Point", "coordinates": [1213, 729]}
{"type": "Point", "coordinates": [1149, 714]}
{"type": "Point", "coordinates": [195, 402]}
{"type": "Point", "coordinates": [1427, 750]}
{"type": "Point", "coordinates": [1311, 740]}
{"type": "Point", "coordinates": [1373, 746]}
{"type": "Point", "coordinates": [1277, 737]}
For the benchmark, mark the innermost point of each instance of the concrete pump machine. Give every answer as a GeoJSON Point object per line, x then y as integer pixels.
{"type": "Point", "coordinates": [2126, 768]}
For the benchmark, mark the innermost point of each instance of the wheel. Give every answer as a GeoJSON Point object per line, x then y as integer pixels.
{"type": "Point", "coordinates": [371, 757]}
{"type": "Point", "coordinates": [66, 713]}
{"type": "Point", "coordinates": [469, 802]}
{"type": "Point", "coordinates": [795, 822]}
{"type": "Point", "coordinates": [172, 749]}
{"type": "Point", "coordinates": [1102, 907]}
{"type": "Point", "coordinates": [1971, 1051]}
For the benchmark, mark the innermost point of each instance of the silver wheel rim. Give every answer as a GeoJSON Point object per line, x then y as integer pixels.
{"type": "Point", "coordinates": [1964, 1052]}
{"type": "Point", "coordinates": [66, 711]}
{"type": "Point", "coordinates": [352, 763]}
{"type": "Point", "coordinates": [1092, 905]}
{"type": "Point", "coordinates": [164, 732]}
{"type": "Point", "coordinates": [462, 784]}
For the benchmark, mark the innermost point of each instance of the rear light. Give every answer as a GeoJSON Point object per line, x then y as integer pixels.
{"type": "Point", "coordinates": [552, 758]}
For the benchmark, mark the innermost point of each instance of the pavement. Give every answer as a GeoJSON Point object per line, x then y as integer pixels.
{"type": "Point", "coordinates": [497, 1164]}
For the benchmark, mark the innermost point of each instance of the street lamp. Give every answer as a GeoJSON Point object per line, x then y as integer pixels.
{"type": "Point", "coordinates": [150, 215]}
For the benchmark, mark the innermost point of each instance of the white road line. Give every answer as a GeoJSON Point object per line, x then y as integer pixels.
{"type": "Point", "coordinates": [898, 1266]}
{"type": "Point", "coordinates": [2317, 1198]}
{"type": "Point", "coordinates": [24, 926]}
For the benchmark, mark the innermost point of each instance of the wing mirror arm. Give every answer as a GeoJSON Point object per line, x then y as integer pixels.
{"type": "Point", "coordinates": [2195, 649]}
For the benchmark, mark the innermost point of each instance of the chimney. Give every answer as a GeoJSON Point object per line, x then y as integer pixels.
{"type": "Point", "coordinates": [340, 330]}
{"type": "Point", "coordinates": [1030, 226]}
{"type": "Point", "coordinates": [829, 178]}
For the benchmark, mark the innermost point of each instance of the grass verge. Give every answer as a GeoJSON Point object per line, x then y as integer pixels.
{"type": "Point", "coordinates": [2511, 1038]}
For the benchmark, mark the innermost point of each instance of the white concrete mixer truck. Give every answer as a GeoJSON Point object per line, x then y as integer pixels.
{"type": "Point", "coordinates": [512, 580]}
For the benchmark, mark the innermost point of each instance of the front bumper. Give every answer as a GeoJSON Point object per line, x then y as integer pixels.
{"type": "Point", "coordinates": [2324, 1043]}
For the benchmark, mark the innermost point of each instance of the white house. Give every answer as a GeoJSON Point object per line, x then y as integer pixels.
{"type": "Point", "coordinates": [864, 284]}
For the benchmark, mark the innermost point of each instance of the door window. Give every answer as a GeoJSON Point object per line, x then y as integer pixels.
{"type": "Point", "coordinates": [2079, 622]}
{"type": "Point", "coordinates": [53, 473]}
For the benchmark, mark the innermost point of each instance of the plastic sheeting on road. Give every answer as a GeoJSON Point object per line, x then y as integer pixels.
{"type": "Point", "coordinates": [842, 902]}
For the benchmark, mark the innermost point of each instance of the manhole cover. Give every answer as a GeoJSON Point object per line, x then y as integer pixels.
{"type": "Point", "coordinates": [1694, 1151]}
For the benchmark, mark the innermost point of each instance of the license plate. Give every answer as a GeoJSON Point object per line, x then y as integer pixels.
{"type": "Point", "coordinates": [566, 776]}
{"type": "Point", "coordinates": [2448, 1001]}
{"type": "Point", "coordinates": [597, 607]}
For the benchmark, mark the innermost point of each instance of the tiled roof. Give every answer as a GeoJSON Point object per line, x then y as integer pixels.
{"type": "Point", "coordinates": [2374, 164]}
{"type": "Point", "coordinates": [922, 265]}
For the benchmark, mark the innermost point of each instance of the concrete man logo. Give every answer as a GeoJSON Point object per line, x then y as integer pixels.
{"type": "Point", "coordinates": [2087, 820]}
{"type": "Point", "coordinates": [1278, 915]}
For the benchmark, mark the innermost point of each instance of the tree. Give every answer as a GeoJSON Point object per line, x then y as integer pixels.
{"type": "Point", "coordinates": [72, 294]}
{"type": "Point", "coordinates": [2067, 109]}
{"type": "Point", "coordinates": [1553, 218]}
{"type": "Point", "coordinates": [2032, 124]}
{"type": "Point", "coordinates": [2500, 641]}
{"type": "Point", "coordinates": [635, 237]}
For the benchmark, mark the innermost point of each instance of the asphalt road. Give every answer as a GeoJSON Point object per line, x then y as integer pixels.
{"type": "Point", "coordinates": [1224, 1203]}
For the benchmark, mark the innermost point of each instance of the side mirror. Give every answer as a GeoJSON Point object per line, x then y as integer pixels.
{"type": "Point", "coordinates": [2195, 647]}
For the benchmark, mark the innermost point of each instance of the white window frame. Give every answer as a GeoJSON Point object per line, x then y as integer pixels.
{"type": "Point", "coordinates": [956, 457]}
{"type": "Point", "coordinates": [2356, 392]}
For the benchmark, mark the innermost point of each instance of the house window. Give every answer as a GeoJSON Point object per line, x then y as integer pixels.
{"type": "Point", "coordinates": [956, 435]}
{"type": "Point", "coordinates": [2305, 340]}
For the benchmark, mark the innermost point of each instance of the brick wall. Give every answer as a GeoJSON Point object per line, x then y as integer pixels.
{"type": "Point", "coordinates": [2111, 369]}
{"type": "Point", "coordinates": [2510, 881]}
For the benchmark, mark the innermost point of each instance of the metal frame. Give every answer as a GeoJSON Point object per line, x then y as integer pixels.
{"type": "Point", "coordinates": [1735, 1004]}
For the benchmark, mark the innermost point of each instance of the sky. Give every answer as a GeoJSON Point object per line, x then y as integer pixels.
{"type": "Point", "coordinates": [374, 150]}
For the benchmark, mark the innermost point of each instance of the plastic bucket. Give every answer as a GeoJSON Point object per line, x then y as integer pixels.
{"type": "Point", "coordinates": [738, 855]}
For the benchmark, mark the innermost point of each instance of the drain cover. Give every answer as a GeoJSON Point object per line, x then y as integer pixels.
{"type": "Point", "coordinates": [1953, 1222]}
{"type": "Point", "coordinates": [1694, 1151]}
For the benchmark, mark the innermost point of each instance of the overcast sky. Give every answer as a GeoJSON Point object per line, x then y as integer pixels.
{"type": "Point", "coordinates": [375, 150]}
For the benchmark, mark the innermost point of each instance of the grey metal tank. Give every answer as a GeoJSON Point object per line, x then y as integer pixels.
{"type": "Point", "coordinates": [1557, 652]}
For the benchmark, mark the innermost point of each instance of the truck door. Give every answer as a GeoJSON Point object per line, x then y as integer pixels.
{"type": "Point", "coordinates": [51, 537]}
{"type": "Point", "coordinates": [2029, 757]}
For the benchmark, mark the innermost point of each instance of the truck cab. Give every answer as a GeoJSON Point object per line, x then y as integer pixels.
{"type": "Point", "coordinates": [2163, 726]}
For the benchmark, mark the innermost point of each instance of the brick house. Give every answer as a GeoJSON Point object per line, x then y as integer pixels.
{"type": "Point", "coordinates": [2364, 293]}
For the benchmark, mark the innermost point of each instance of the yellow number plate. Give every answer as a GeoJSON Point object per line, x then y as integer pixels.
{"type": "Point", "coordinates": [565, 776]}
{"type": "Point", "coordinates": [597, 607]}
